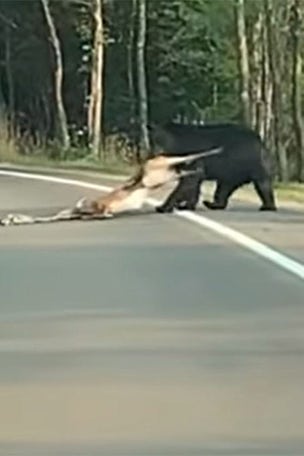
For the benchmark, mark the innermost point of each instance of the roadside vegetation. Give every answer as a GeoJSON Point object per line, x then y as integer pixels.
{"type": "Point", "coordinates": [80, 79]}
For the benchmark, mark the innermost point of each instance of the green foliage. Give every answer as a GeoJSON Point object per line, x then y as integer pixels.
{"type": "Point", "coordinates": [190, 60]}
{"type": "Point", "coordinates": [191, 63]}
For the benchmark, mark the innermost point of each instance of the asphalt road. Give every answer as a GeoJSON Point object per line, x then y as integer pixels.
{"type": "Point", "coordinates": [147, 334]}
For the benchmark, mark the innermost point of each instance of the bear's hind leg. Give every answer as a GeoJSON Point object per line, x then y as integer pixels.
{"type": "Point", "coordinates": [224, 190]}
{"type": "Point", "coordinates": [264, 189]}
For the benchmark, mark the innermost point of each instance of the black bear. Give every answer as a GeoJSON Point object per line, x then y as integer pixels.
{"type": "Point", "coordinates": [242, 161]}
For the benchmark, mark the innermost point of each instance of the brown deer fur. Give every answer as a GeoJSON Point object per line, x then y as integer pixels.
{"type": "Point", "coordinates": [154, 173]}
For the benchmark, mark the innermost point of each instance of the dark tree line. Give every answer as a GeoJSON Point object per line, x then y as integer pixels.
{"type": "Point", "coordinates": [74, 73]}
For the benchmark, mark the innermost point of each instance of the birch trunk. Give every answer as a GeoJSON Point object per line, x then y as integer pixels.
{"type": "Point", "coordinates": [141, 75]}
{"type": "Point", "coordinates": [130, 66]}
{"type": "Point", "coordinates": [95, 110]}
{"type": "Point", "coordinates": [257, 105]}
{"type": "Point", "coordinates": [61, 120]}
{"type": "Point", "coordinates": [275, 75]}
{"type": "Point", "coordinates": [296, 99]}
{"type": "Point", "coordinates": [243, 60]}
{"type": "Point", "coordinates": [9, 78]}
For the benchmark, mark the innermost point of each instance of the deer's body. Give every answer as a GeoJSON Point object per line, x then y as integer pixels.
{"type": "Point", "coordinates": [154, 173]}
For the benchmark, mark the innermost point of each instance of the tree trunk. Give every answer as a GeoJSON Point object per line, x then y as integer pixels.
{"type": "Point", "coordinates": [141, 75]}
{"type": "Point", "coordinates": [61, 115]}
{"type": "Point", "coordinates": [275, 74]}
{"type": "Point", "coordinates": [266, 89]}
{"type": "Point", "coordinates": [2, 103]}
{"type": "Point", "coordinates": [3, 118]}
{"type": "Point", "coordinates": [92, 100]}
{"type": "Point", "coordinates": [261, 85]}
{"type": "Point", "coordinates": [296, 99]}
{"type": "Point", "coordinates": [95, 110]}
{"type": "Point", "coordinates": [243, 59]}
{"type": "Point", "coordinates": [46, 111]}
{"type": "Point", "coordinates": [256, 72]}
{"type": "Point", "coordinates": [130, 50]}
{"type": "Point", "coordinates": [9, 78]}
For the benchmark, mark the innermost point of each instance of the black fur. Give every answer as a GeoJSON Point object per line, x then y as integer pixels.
{"type": "Point", "coordinates": [241, 162]}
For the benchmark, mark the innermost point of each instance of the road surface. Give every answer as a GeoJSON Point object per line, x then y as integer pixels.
{"type": "Point", "coordinates": [147, 334]}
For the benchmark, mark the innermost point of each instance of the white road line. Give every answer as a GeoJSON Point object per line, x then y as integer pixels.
{"type": "Point", "coordinates": [283, 261]}
{"type": "Point", "coordinates": [249, 243]}
{"type": "Point", "coordinates": [56, 180]}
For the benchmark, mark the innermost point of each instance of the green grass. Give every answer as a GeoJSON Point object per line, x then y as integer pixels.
{"type": "Point", "coordinates": [77, 159]}
{"type": "Point", "coordinates": [290, 192]}
{"type": "Point", "coordinates": [111, 166]}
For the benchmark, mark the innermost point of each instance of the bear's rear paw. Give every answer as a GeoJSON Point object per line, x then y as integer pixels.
{"type": "Point", "coordinates": [268, 208]}
{"type": "Point", "coordinates": [213, 206]}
